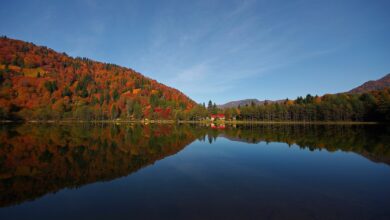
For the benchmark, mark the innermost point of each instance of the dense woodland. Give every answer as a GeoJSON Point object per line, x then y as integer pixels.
{"type": "Point", "coordinates": [370, 106]}
{"type": "Point", "coordinates": [37, 83]}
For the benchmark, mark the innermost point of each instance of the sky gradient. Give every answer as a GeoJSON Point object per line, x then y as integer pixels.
{"type": "Point", "coordinates": [219, 50]}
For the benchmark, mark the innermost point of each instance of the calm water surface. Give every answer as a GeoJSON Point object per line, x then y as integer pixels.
{"type": "Point", "coordinates": [194, 172]}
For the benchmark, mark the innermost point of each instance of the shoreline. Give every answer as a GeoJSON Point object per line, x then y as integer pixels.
{"type": "Point", "coordinates": [193, 122]}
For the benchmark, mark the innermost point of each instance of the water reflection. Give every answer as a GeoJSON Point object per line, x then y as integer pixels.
{"type": "Point", "coordinates": [40, 159]}
{"type": "Point", "coordinates": [35, 160]}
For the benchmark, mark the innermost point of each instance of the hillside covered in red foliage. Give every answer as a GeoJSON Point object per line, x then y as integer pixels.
{"type": "Point", "coordinates": [38, 83]}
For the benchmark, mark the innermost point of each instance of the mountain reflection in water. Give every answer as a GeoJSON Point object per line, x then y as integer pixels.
{"type": "Point", "coordinates": [36, 159]}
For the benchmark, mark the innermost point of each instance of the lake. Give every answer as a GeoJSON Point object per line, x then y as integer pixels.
{"type": "Point", "coordinates": [189, 171]}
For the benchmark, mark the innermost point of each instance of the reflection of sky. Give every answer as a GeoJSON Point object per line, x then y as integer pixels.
{"type": "Point", "coordinates": [219, 50]}
{"type": "Point", "coordinates": [232, 179]}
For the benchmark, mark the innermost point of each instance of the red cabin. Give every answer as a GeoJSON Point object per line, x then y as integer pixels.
{"type": "Point", "coordinates": [217, 116]}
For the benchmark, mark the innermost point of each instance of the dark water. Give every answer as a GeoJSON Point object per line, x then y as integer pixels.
{"type": "Point", "coordinates": [194, 172]}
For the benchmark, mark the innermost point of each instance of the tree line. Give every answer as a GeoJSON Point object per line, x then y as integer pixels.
{"type": "Point", "coordinates": [37, 83]}
{"type": "Point", "coordinates": [369, 106]}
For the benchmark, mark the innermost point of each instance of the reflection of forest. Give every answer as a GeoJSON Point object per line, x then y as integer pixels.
{"type": "Point", "coordinates": [38, 159]}
{"type": "Point", "coordinates": [370, 141]}
{"type": "Point", "coordinates": [35, 160]}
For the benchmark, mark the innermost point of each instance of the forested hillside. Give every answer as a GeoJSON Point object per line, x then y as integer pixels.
{"type": "Point", "coordinates": [372, 85]}
{"type": "Point", "coordinates": [39, 83]}
{"type": "Point", "coordinates": [369, 106]}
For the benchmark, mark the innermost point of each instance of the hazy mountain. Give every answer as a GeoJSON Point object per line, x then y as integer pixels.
{"type": "Point", "coordinates": [245, 102]}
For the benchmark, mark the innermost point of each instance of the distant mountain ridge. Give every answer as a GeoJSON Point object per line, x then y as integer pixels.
{"type": "Point", "coordinates": [372, 85]}
{"type": "Point", "coordinates": [368, 86]}
{"type": "Point", "coordinates": [234, 104]}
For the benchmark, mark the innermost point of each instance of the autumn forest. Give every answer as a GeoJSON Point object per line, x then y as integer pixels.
{"type": "Point", "coordinates": [38, 83]}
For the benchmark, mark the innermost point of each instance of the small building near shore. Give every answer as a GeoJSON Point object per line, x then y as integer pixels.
{"type": "Point", "coordinates": [217, 126]}
{"type": "Point", "coordinates": [217, 116]}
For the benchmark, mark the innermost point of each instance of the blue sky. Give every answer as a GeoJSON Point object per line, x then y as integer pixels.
{"type": "Point", "coordinates": [219, 50]}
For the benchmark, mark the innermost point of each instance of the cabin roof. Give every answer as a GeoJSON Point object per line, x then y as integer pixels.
{"type": "Point", "coordinates": [218, 115]}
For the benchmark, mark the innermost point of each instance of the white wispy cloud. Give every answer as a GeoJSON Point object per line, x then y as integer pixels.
{"type": "Point", "coordinates": [210, 57]}
{"type": "Point", "coordinates": [192, 74]}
